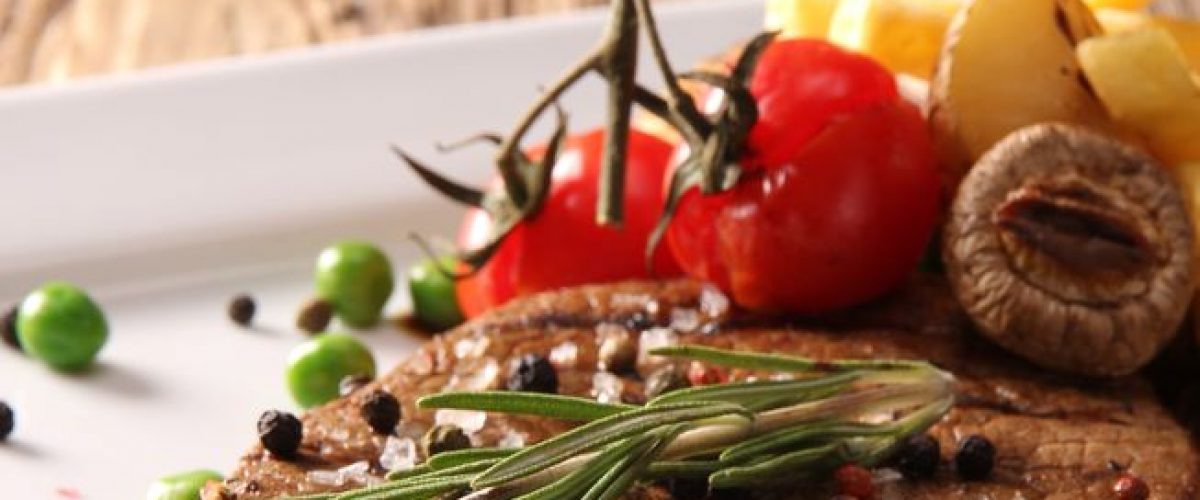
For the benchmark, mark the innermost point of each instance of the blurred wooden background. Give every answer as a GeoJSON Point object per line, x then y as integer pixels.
{"type": "Point", "coordinates": [53, 40]}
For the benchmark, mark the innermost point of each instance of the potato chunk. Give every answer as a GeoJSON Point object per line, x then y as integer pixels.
{"type": "Point", "coordinates": [1148, 88]}
{"type": "Point", "coordinates": [800, 18]}
{"type": "Point", "coordinates": [904, 35]}
{"type": "Point", "coordinates": [1007, 64]}
{"type": "Point", "coordinates": [1186, 32]}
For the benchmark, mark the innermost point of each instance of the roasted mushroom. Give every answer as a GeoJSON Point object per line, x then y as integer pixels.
{"type": "Point", "coordinates": [1071, 250]}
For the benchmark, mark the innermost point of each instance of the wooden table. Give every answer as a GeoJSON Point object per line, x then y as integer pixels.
{"type": "Point", "coordinates": [53, 40]}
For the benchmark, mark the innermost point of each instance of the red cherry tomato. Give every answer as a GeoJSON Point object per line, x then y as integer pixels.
{"type": "Point", "coordinates": [562, 245]}
{"type": "Point", "coordinates": [840, 194]}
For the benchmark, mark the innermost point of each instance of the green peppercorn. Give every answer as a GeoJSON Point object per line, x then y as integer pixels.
{"type": "Point", "coordinates": [59, 324]}
{"type": "Point", "coordinates": [314, 316]}
{"type": "Point", "coordinates": [317, 367]}
{"type": "Point", "coordinates": [435, 303]}
{"type": "Point", "coordinates": [443, 438]}
{"type": "Point", "coordinates": [182, 486]}
{"type": "Point", "coordinates": [356, 278]}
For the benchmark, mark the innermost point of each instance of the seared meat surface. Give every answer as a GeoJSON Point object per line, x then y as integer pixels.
{"type": "Point", "coordinates": [1057, 437]}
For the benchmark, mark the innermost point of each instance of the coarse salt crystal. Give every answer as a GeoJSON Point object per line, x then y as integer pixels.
{"type": "Point", "coordinates": [469, 421]}
{"type": "Point", "coordinates": [713, 303]}
{"type": "Point", "coordinates": [475, 378]}
{"type": "Point", "coordinates": [511, 439]}
{"type": "Point", "coordinates": [357, 473]}
{"type": "Point", "coordinates": [325, 477]}
{"type": "Point", "coordinates": [653, 339]}
{"type": "Point", "coordinates": [685, 319]}
{"type": "Point", "coordinates": [471, 347]}
{"type": "Point", "coordinates": [606, 387]}
{"type": "Point", "coordinates": [564, 354]}
{"type": "Point", "coordinates": [398, 454]}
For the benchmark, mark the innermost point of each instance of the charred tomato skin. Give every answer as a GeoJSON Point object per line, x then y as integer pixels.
{"type": "Point", "coordinates": [562, 245]}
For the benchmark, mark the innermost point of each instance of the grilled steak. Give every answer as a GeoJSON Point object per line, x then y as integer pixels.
{"type": "Point", "coordinates": [1057, 437]}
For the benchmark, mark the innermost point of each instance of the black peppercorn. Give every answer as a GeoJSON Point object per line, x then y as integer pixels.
{"type": "Point", "coordinates": [975, 458]}
{"type": "Point", "coordinates": [533, 373]}
{"type": "Point", "coordinates": [10, 328]}
{"type": "Point", "coordinates": [1130, 487]}
{"type": "Point", "coordinates": [241, 309]}
{"type": "Point", "coordinates": [381, 410]}
{"type": "Point", "coordinates": [315, 316]}
{"type": "Point", "coordinates": [280, 433]}
{"type": "Point", "coordinates": [7, 420]}
{"type": "Point", "coordinates": [443, 438]}
{"type": "Point", "coordinates": [351, 383]}
{"type": "Point", "coordinates": [639, 321]}
{"type": "Point", "coordinates": [918, 457]}
{"type": "Point", "coordinates": [664, 380]}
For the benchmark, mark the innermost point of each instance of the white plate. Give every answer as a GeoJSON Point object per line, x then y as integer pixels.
{"type": "Point", "coordinates": [167, 191]}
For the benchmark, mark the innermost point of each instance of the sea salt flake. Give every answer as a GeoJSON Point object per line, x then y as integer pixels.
{"type": "Point", "coordinates": [713, 303]}
{"type": "Point", "coordinates": [398, 454]}
{"type": "Point", "coordinates": [564, 354]}
{"type": "Point", "coordinates": [606, 387]}
{"type": "Point", "coordinates": [475, 378]}
{"type": "Point", "coordinates": [356, 473]}
{"type": "Point", "coordinates": [473, 347]}
{"type": "Point", "coordinates": [653, 339]}
{"type": "Point", "coordinates": [470, 421]}
{"type": "Point", "coordinates": [325, 477]}
{"type": "Point", "coordinates": [685, 319]}
{"type": "Point", "coordinates": [511, 439]}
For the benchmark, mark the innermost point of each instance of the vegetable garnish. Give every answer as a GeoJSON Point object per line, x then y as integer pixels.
{"type": "Point", "coordinates": [735, 434]}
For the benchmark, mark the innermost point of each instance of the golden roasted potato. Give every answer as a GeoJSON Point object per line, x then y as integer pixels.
{"type": "Point", "coordinates": [1118, 4]}
{"type": "Point", "coordinates": [1186, 32]}
{"type": "Point", "coordinates": [904, 35]}
{"type": "Point", "coordinates": [1007, 64]}
{"type": "Point", "coordinates": [1148, 88]}
{"type": "Point", "coordinates": [800, 18]}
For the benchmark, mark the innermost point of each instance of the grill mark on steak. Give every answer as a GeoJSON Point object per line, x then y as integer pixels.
{"type": "Point", "coordinates": [1055, 434]}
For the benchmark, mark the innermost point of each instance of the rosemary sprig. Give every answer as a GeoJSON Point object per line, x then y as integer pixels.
{"type": "Point", "coordinates": [737, 434]}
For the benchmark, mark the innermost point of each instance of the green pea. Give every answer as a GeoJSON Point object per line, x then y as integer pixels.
{"type": "Point", "coordinates": [356, 278]}
{"type": "Point", "coordinates": [182, 486]}
{"type": "Point", "coordinates": [315, 368]}
{"type": "Point", "coordinates": [59, 324]}
{"type": "Point", "coordinates": [435, 303]}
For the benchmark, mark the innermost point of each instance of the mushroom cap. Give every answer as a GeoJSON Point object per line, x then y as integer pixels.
{"type": "Point", "coordinates": [1071, 250]}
